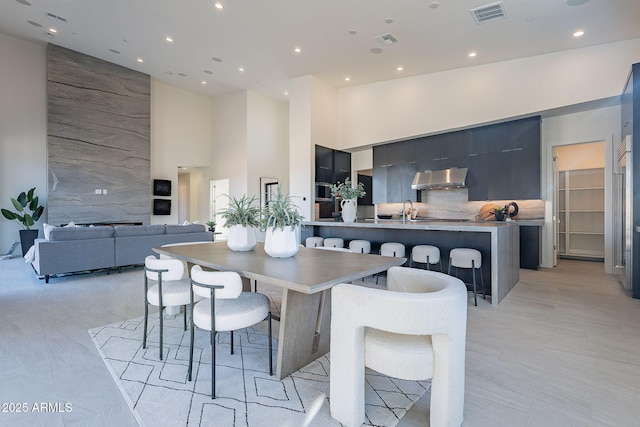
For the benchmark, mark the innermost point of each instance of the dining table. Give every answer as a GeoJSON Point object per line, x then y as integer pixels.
{"type": "Point", "coordinates": [305, 279]}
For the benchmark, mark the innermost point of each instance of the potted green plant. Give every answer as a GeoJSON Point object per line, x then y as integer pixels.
{"type": "Point", "coordinates": [499, 213]}
{"type": "Point", "coordinates": [241, 218]}
{"type": "Point", "coordinates": [349, 195]}
{"type": "Point", "coordinates": [212, 226]}
{"type": "Point", "coordinates": [282, 221]}
{"type": "Point", "coordinates": [27, 212]}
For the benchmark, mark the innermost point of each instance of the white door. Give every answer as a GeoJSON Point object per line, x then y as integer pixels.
{"type": "Point", "coordinates": [219, 189]}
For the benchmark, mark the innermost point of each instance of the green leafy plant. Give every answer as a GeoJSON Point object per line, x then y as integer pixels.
{"type": "Point", "coordinates": [211, 225]}
{"type": "Point", "coordinates": [347, 191]}
{"type": "Point", "coordinates": [242, 211]}
{"type": "Point", "coordinates": [28, 210]}
{"type": "Point", "coordinates": [282, 212]}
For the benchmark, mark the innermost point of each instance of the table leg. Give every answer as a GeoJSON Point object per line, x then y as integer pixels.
{"type": "Point", "coordinates": [299, 342]}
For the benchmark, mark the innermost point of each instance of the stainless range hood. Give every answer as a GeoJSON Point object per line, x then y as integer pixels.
{"type": "Point", "coordinates": [440, 179]}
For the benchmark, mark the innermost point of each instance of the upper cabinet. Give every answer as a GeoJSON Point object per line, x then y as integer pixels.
{"type": "Point", "coordinates": [503, 161]}
{"type": "Point", "coordinates": [332, 165]}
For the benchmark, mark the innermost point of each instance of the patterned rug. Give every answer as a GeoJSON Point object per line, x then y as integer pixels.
{"type": "Point", "coordinates": [159, 394]}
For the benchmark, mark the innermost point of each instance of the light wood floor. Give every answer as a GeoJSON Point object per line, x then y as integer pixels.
{"type": "Point", "coordinates": [562, 349]}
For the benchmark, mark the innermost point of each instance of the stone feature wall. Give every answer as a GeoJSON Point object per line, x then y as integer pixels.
{"type": "Point", "coordinates": [98, 140]}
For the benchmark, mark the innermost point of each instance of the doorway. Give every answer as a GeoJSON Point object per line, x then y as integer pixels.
{"type": "Point", "coordinates": [219, 201]}
{"type": "Point", "coordinates": [579, 208]}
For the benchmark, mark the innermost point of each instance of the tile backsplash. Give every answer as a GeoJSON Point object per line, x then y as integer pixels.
{"type": "Point", "coordinates": [454, 204]}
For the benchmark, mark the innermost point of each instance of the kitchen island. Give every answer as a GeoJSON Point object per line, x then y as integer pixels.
{"type": "Point", "coordinates": [497, 241]}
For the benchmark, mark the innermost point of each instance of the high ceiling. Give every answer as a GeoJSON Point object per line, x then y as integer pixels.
{"type": "Point", "coordinates": [336, 37]}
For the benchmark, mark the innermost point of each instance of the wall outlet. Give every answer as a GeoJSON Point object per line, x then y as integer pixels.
{"type": "Point", "coordinates": [98, 191]}
{"type": "Point", "coordinates": [104, 191]}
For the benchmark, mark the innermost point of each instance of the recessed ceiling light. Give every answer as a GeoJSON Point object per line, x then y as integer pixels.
{"type": "Point", "coordinates": [216, 59]}
{"type": "Point", "coordinates": [182, 74]}
{"type": "Point", "coordinates": [286, 93]}
{"type": "Point", "coordinates": [353, 32]}
{"type": "Point", "coordinates": [241, 69]}
{"type": "Point", "coordinates": [169, 39]}
{"type": "Point", "coordinates": [578, 33]}
{"type": "Point", "coordinates": [347, 78]}
{"type": "Point", "coordinates": [114, 51]}
{"type": "Point", "coordinates": [24, 2]}
{"type": "Point", "coordinates": [434, 5]}
{"type": "Point", "coordinates": [204, 82]}
{"type": "Point", "coordinates": [576, 2]}
{"type": "Point", "coordinates": [472, 54]}
{"type": "Point", "coordinates": [49, 34]}
{"type": "Point", "coordinates": [125, 40]}
{"type": "Point", "coordinates": [208, 72]}
{"type": "Point", "coordinates": [400, 68]}
{"type": "Point", "coordinates": [53, 30]}
{"type": "Point", "coordinates": [297, 50]}
{"type": "Point", "coordinates": [218, 5]}
{"type": "Point", "coordinates": [376, 50]}
{"type": "Point", "coordinates": [35, 24]}
{"type": "Point", "coordinates": [388, 21]}
{"type": "Point", "coordinates": [140, 60]}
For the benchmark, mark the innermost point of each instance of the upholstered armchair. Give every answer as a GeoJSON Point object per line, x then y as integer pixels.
{"type": "Point", "coordinates": [413, 330]}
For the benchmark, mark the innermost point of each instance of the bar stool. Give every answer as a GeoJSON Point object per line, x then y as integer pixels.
{"type": "Point", "coordinates": [391, 249]}
{"type": "Point", "coordinates": [334, 242]}
{"type": "Point", "coordinates": [314, 241]}
{"type": "Point", "coordinates": [468, 258]}
{"type": "Point", "coordinates": [360, 246]}
{"type": "Point", "coordinates": [425, 254]}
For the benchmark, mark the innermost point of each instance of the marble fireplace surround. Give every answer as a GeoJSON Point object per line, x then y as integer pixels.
{"type": "Point", "coordinates": [98, 140]}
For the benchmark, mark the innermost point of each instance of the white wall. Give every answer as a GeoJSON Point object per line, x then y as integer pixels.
{"type": "Point", "coordinates": [181, 135]}
{"type": "Point", "coordinates": [267, 142]}
{"type": "Point", "coordinates": [434, 103]}
{"type": "Point", "coordinates": [230, 141]}
{"type": "Point", "coordinates": [23, 129]}
{"type": "Point", "coordinates": [602, 124]}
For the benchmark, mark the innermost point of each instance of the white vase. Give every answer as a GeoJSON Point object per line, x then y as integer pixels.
{"type": "Point", "coordinates": [241, 238]}
{"type": "Point", "coordinates": [349, 209]}
{"type": "Point", "coordinates": [281, 243]}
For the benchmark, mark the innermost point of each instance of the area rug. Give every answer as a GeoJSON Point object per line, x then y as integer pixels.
{"type": "Point", "coordinates": [159, 393]}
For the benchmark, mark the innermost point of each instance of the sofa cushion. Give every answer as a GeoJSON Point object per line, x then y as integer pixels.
{"type": "Point", "coordinates": [138, 230]}
{"type": "Point", "coordinates": [80, 233]}
{"type": "Point", "coordinates": [189, 228]}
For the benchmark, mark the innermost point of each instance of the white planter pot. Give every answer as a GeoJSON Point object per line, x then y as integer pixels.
{"type": "Point", "coordinates": [281, 243]}
{"type": "Point", "coordinates": [349, 209]}
{"type": "Point", "coordinates": [241, 238]}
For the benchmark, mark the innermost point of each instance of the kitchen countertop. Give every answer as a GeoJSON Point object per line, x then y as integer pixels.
{"type": "Point", "coordinates": [454, 225]}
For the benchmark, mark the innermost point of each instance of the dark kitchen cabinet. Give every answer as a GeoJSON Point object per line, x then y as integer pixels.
{"type": "Point", "coordinates": [503, 161]}
{"type": "Point", "coordinates": [510, 168]}
{"type": "Point", "coordinates": [332, 165]}
{"type": "Point", "coordinates": [529, 247]}
{"type": "Point", "coordinates": [393, 172]}
{"type": "Point", "coordinates": [342, 165]}
{"type": "Point", "coordinates": [324, 164]}
{"type": "Point", "coordinates": [379, 185]}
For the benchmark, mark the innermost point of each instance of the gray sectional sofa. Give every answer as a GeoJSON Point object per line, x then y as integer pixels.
{"type": "Point", "coordinates": [75, 249]}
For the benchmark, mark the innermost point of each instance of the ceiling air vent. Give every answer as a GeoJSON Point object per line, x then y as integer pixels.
{"type": "Point", "coordinates": [489, 12]}
{"type": "Point", "coordinates": [386, 39]}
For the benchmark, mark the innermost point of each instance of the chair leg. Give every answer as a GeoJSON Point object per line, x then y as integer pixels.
{"type": "Point", "coordinates": [428, 263]}
{"type": "Point", "coordinates": [270, 348]}
{"type": "Point", "coordinates": [473, 270]}
{"type": "Point", "coordinates": [184, 307]}
{"type": "Point", "coordinates": [161, 320]}
{"type": "Point", "coordinates": [213, 365]}
{"type": "Point", "coordinates": [231, 342]}
{"type": "Point", "coordinates": [191, 349]}
{"type": "Point", "coordinates": [484, 295]}
{"type": "Point", "coordinates": [146, 315]}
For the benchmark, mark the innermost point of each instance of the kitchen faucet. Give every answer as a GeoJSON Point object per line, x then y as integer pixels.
{"type": "Point", "coordinates": [404, 210]}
